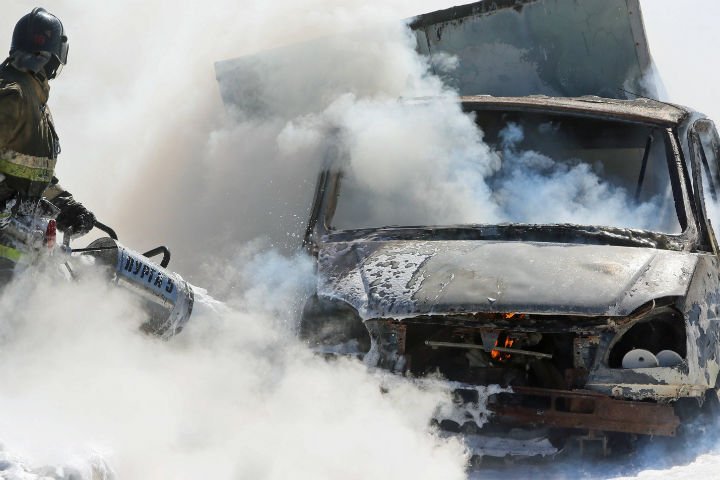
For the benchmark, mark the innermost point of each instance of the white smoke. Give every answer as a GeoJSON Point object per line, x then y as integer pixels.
{"type": "Point", "coordinates": [536, 189]}
{"type": "Point", "coordinates": [426, 163]}
{"type": "Point", "coordinates": [412, 161]}
{"type": "Point", "coordinates": [147, 143]}
{"type": "Point", "coordinates": [234, 396]}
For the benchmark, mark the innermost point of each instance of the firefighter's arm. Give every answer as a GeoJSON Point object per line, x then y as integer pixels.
{"type": "Point", "coordinates": [73, 214]}
{"type": "Point", "coordinates": [10, 114]}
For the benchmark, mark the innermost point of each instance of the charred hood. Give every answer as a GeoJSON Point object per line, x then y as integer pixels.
{"type": "Point", "coordinates": [408, 277]}
{"type": "Point", "coordinates": [502, 48]}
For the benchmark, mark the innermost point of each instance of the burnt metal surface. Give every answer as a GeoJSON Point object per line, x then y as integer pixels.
{"type": "Point", "coordinates": [461, 12]}
{"type": "Point", "coordinates": [410, 278]}
{"type": "Point", "coordinates": [553, 47]}
{"type": "Point", "coordinates": [502, 47]}
{"type": "Point", "coordinates": [524, 323]}
{"type": "Point", "coordinates": [469, 346]}
{"type": "Point", "coordinates": [701, 308]}
{"type": "Point", "coordinates": [639, 110]}
{"type": "Point", "coordinates": [566, 233]}
{"type": "Point", "coordinates": [585, 410]}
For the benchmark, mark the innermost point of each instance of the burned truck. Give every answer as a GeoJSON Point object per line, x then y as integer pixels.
{"type": "Point", "coordinates": [594, 329]}
{"type": "Point", "coordinates": [598, 331]}
{"type": "Point", "coordinates": [600, 328]}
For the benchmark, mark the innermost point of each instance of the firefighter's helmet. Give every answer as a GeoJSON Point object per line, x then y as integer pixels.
{"type": "Point", "coordinates": [39, 43]}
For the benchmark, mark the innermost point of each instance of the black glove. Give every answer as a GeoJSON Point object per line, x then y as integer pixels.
{"type": "Point", "coordinates": [73, 215]}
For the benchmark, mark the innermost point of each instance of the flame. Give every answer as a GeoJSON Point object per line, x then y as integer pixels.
{"type": "Point", "coordinates": [502, 356]}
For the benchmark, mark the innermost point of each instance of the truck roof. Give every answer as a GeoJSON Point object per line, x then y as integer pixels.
{"type": "Point", "coordinates": [640, 110]}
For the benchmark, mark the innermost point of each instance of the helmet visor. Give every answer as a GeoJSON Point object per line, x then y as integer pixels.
{"type": "Point", "coordinates": [63, 50]}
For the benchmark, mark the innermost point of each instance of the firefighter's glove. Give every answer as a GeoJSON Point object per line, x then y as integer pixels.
{"type": "Point", "coordinates": [73, 215]}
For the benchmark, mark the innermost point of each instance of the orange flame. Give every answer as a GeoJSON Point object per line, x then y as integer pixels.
{"type": "Point", "coordinates": [502, 356]}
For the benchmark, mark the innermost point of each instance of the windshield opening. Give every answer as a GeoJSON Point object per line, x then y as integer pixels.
{"type": "Point", "coordinates": [524, 168]}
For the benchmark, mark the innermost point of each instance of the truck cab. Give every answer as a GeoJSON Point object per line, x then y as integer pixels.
{"type": "Point", "coordinates": [593, 328]}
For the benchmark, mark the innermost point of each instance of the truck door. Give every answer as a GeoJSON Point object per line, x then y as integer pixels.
{"type": "Point", "coordinates": [705, 150]}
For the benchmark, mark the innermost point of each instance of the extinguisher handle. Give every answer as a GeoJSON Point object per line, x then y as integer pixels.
{"type": "Point", "coordinates": [106, 229]}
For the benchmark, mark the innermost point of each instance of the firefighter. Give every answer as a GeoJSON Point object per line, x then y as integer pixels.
{"type": "Point", "coordinates": [29, 145]}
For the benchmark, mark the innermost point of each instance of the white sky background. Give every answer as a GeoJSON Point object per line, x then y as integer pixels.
{"type": "Point", "coordinates": [684, 39]}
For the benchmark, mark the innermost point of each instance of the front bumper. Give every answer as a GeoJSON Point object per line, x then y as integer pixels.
{"type": "Point", "coordinates": [582, 410]}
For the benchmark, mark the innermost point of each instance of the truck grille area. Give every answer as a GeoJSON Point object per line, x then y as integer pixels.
{"type": "Point", "coordinates": [543, 374]}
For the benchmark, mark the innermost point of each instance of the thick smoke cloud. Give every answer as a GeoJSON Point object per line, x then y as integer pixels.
{"type": "Point", "coordinates": [426, 163]}
{"type": "Point", "coordinates": [148, 143]}
{"type": "Point", "coordinates": [235, 396]}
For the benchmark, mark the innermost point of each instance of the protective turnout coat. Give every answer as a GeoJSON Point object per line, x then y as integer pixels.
{"type": "Point", "coordinates": [28, 153]}
{"type": "Point", "coordinates": [28, 143]}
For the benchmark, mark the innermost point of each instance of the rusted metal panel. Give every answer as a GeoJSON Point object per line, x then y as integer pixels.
{"type": "Point", "coordinates": [584, 410]}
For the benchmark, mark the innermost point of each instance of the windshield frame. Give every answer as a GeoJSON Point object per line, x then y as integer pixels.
{"type": "Point", "coordinates": [328, 190]}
